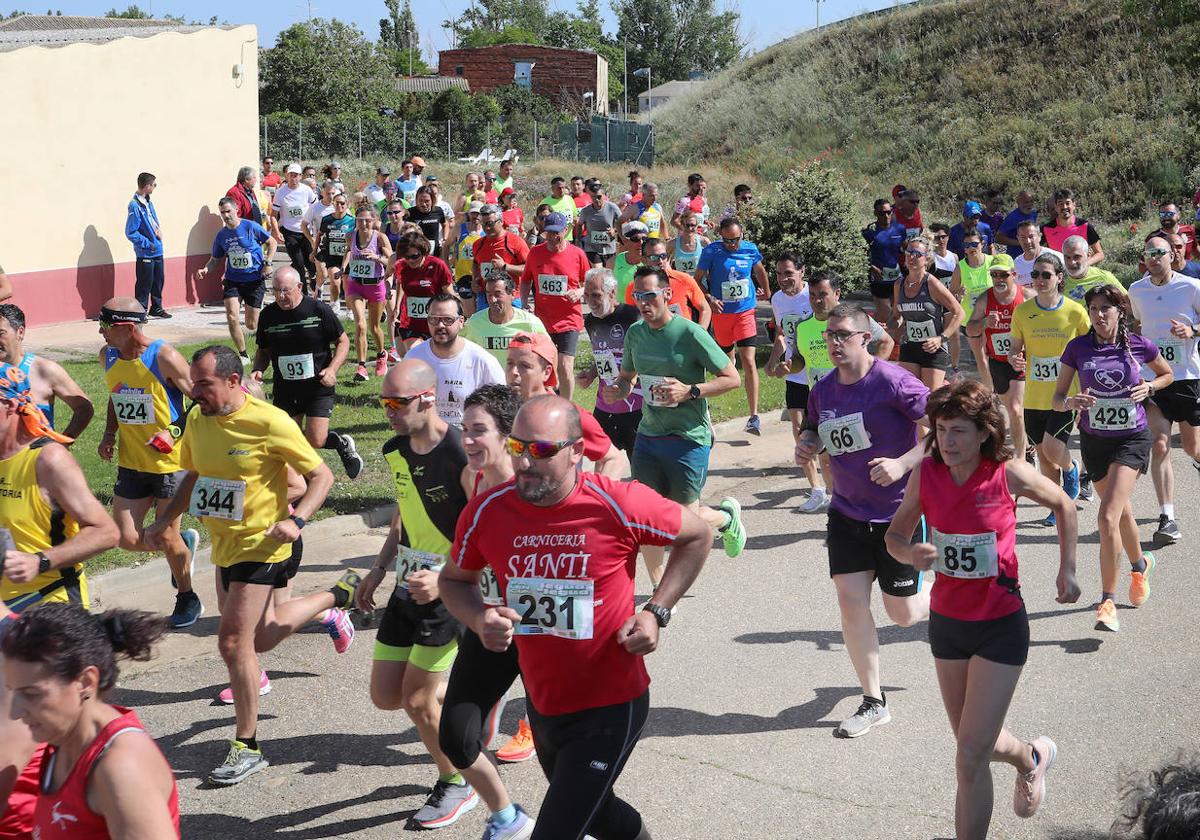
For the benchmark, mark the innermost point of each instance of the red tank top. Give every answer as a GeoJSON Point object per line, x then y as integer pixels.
{"type": "Point", "coordinates": [974, 528]}
{"type": "Point", "coordinates": [998, 340]}
{"type": "Point", "coordinates": [17, 821]}
{"type": "Point", "coordinates": [65, 813]}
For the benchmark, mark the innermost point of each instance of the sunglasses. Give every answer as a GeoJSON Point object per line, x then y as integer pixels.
{"type": "Point", "coordinates": [442, 320]}
{"type": "Point", "coordinates": [395, 212]}
{"type": "Point", "coordinates": [269, 162]}
{"type": "Point", "coordinates": [649, 294]}
{"type": "Point", "coordinates": [636, 237]}
{"type": "Point", "coordinates": [841, 336]}
{"type": "Point", "coordinates": [1042, 275]}
{"type": "Point", "coordinates": [733, 241]}
{"type": "Point", "coordinates": [655, 257]}
{"type": "Point", "coordinates": [916, 252]}
{"type": "Point", "coordinates": [397, 403]}
{"type": "Point", "coordinates": [1154, 253]}
{"type": "Point", "coordinates": [972, 244]}
{"type": "Point", "coordinates": [887, 212]}
{"type": "Point", "coordinates": [538, 450]}
{"type": "Point", "coordinates": [414, 256]}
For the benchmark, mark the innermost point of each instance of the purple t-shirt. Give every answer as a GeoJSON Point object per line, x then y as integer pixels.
{"type": "Point", "coordinates": [1107, 372]}
{"type": "Point", "coordinates": [873, 418]}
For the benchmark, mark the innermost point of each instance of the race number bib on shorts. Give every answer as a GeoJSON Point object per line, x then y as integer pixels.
{"type": "Point", "coordinates": [600, 237]}
{"type": "Point", "coordinates": [489, 588]}
{"type": "Point", "coordinates": [552, 284]}
{"type": "Point", "coordinates": [1113, 415]}
{"type": "Point", "coordinates": [844, 435]}
{"type": "Point", "coordinates": [362, 270]}
{"type": "Point", "coordinates": [969, 556]}
{"type": "Point", "coordinates": [1044, 368]}
{"type": "Point", "coordinates": [239, 259]}
{"type": "Point", "coordinates": [653, 396]}
{"type": "Point", "coordinates": [409, 561]}
{"type": "Point", "coordinates": [917, 332]}
{"type": "Point", "coordinates": [134, 409]}
{"type": "Point", "coordinates": [736, 288]}
{"type": "Point", "coordinates": [890, 275]}
{"type": "Point", "coordinates": [607, 366]}
{"type": "Point", "coordinates": [299, 366]}
{"type": "Point", "coordinates": [219, 498]}
{"type": "Point", "coordinates": [418, 307]}
{"type": "Point", "coordinates": [552, 607]}
{"type": "Point", "coordinates": [1002, 344]}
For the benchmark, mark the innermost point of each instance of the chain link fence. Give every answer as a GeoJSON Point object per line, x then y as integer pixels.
{"type": "Point", "coordinates": [377, 138]}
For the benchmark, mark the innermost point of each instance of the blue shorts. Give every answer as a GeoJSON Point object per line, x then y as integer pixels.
{"type": "Point", "coordinates": [674, 467]}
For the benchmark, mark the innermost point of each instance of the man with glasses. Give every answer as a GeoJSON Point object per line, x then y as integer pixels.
{"type": "Point", "coordinates": [626, 260]}
{"type": "Point", "coordinates": [1166, 304]}
{"type": "Point", "coordinates": [1029, 237]}
{"type": "Point", "coordinates": [494, 326]}
{"type": "Point", "coordinates": [289, 205]}
{"type": "Point", "coordinates": [1168, 222]}
{"type": "Point", "coordinates": [944, 260]}
{"type": "Point", "coordinates": [303, 341]}
{"type": "Point", "coordinates": [907, 210]}
{"type": "Point", "coordinates": [500, 253]}
{"type": "Point", "coordinates": [598, 224]}
{"type": "Point", "coordinates": [1179, 260]}
{"type": "Point", "coordinates": [270, 178]}
{"type": "Point", "coordinates": [1065, 224]}
{"type": "Point", "coordinates": [565, 542]}
{"type": "Point", "coordinates": [732, 273]}
{"type": "Point", "coordinates": [865, 415]}
{"type": "Point", "coordinates": [552, 284]}
{"type": "Point", "coordinates": [1007, 233]}
{"type": "Point", "coordinates": [687, 298]}
{"type": "Point", "coordinates": [972, 222]}
{"type": "Point", "coordinates": [885, 236]}
{"type": "Point", "coordinates": [460, 366]}
{"type": "Point", "coordinates": [147, 381]}
{"type": "Point", "coordinates": [240, 243]}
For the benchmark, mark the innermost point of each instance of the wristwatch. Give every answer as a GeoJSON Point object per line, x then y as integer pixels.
{"type": "Point", "coordinates": [694, 393]}
{"type": "Point", "coordinates": [43, 563]}
{"type": "Point", "coordinates": [299, 520]}
{"type": "Point", "coordinates": [661, 614]}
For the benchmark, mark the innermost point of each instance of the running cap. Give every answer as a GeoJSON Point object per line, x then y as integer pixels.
{"type": "Point", "coordinates": [972, 208]}
{"type": "Point", "coordinates": [489, 209]}
{"type": "Point", "coordinates": [35, 423]}
{"type": "Point", "coordinates": [418, 161]}
{"type": "Point", "coordinates": [542, 346]}
{"type": "Point", "coordinates": [333, 164]}
{"type": "Point", "coordinates": [1001, 262]}
{"type": "Point", "coordinates": [555, 223]}
{"type": "Point", "coordinates": [507, 191]}
{"type": "Point", "coordinates": [429, 179]}
{"type": "Point", "coordinates": [294, 167]}
{"type": "Point", "coordinates": [382, 170]}
{"type": "Point", "coordinates": [633, 227]}
{"type": "Point", "coordinates": [122, 316]}
{"type": "Point", "coordinates": [476, 207]}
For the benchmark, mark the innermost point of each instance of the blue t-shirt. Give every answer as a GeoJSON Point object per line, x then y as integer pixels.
{"type": "Point", "coordinates": [1010, 224]}
{"type": "Point", "coordinates": [242, 249]}
{"type": "Point", "coordinates": [408, 189]}
{"type": "Point", "coordinates": [730, 277]}
{"type": "Point", "coordinates": [1191, 268]}
{"type": "Point", "coordinates": [956, 237]}
{"type": "Point", "coordinates": [884, 245]}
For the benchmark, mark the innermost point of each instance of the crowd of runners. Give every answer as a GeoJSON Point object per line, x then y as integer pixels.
{"type": "Point", "coordinates": [516, 534]}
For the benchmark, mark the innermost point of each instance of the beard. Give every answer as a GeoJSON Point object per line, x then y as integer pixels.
{"type": "Point", "coordinates": [535, 488]}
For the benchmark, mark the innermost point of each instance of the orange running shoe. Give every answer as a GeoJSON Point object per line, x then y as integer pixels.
{"type": "Point", "coordinates": [1106, 617]}
{"type": "Point", "coordinates": [1139, 582]}
{"type": "Point", "coordinates": [520, 746]}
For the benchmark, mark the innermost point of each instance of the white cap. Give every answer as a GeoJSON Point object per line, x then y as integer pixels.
{"type": "Point", "coordinates": [633, 227]}
{"type": "Point", "coordinates": [294, 167]}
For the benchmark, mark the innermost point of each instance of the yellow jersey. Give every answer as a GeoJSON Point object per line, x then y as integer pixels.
{"type": "Point", "coordinates": [652, 218]}
{"type": "Point", "coordinates": [464, 255]}
{"type": "Point", "coordinates": [1045, 333]}
{"type": "Point", "coordinates": [145, 403]}
{"type": "Point", "coordinates": [241, 491]}
{"type": "Point", "coordinates": [36, 526]}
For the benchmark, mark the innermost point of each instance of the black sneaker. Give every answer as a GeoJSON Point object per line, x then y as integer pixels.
{"type": "Point", "coordinates": [1167, 533]}
{"type": "Point", "coordinates": [352, 462]}
{"type": "Point", "coordinates": [1085, 487]}
{"type": "Point", "coordinates": [188, 610]}
{"type": "Point", "coordinates": [159, 313]}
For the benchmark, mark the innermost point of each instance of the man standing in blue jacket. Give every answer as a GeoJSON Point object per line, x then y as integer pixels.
{"type": "Point", "coordinates": [141, 228]}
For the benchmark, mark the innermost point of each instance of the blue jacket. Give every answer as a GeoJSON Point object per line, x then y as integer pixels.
{"type": "Point", "coordinates": [139, 229]}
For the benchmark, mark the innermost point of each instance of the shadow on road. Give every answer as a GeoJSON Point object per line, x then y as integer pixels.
{"type": "Point", "coordinates": [137, 697]}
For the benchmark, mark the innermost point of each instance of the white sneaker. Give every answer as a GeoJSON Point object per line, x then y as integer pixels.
{"type": "Point", "coordinates": [818, 502]}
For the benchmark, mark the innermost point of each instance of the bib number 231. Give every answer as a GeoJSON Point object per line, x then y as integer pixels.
{"type": "Point", "coordinates": [552, 607]}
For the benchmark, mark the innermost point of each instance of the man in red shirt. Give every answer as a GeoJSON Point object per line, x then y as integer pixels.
{"type": "Point", "coordinates": [553, 283]}
{"type": "Point", "coordinates": [497, 251]}
{"type": "Point", "coordinates": [563, 545]}
{"type": "Point", "coordinates": [581, 198]}
{"type": "Point", "coordinates": [242, 195]}
{"type": "Point", "coordinates": [906, 210]}
{"type": "Point", "coordinates": [270, 178]}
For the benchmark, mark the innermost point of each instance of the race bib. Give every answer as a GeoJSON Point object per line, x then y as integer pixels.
{"type": "Point", "coordinates": [891, 275]}
{"type": "Point", "coordinates": [552, 607]}
{"type": "Point", "coordinates": [409, 561]}
{"type": "Point", "coordinates": [489, 588]}
{"type": "Point", "coordinates": [362, 270]}
{"type": "Point", "coordinates": [607, 366]}
{"type": "Point", "coordinates": [299, 366]}
{"type": "Point", "coordinates": [653, 225]}
{"type": "Point", "coordinates": [1113, 415]}
{"type": "Point", "coordinates": [736, 288]}
{"type": "Point", "coordinates": [1002, 344]}
{"type": "Point", "coordinates": [815, 375]}
{"type": "Point", "coordinates": [600, 237]}
{"type": "Point", "coordinates": [295, 211]}
{"type": "Point", "coordinates": [1171, 350]}
{"type": "Point", "coordinates": [1044, 368]}
{"type": "Point", "coordinates": [917, 332]}
{"type": "Point", "coordinates": [336, 246]}
{"type": "Point", "coordinates": [418, 307]}
{"type": "Point", "coordinates": [489, 271]}
{"type": "Point", "coordinates": [552, 284]}
{"type": "Point", "coordinates": [649, 386]}
{"type": "Point", "coordinates": [219, 498]}
{"type": "Point", "coordinates": [134, 409]}
{"type": "Point", "coordinates": [788, 324]}
{"type": "Point", "coordinates": [968, 556]}
{"type": "Point", "coordinates": [409, 196]}
{"type": "Point", "coordinates": [844, 435]}
{"type": "Point", "coordinates": [466, 251]}
{"type": "Point", "coordinates": [239, 259]}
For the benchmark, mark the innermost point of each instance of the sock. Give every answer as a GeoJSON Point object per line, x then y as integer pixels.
{"type": "Point", "coordinates": [333, 441]}
{"type": "Point", "coordinates": [341, 597]}
{"type": "Point", "coordinates": [728, 519]}
{"type": "Point", "coordinates": [818, 493]}
{"type": "Point", "coordinates": [362, 362]}
{"type": "Point", "coordinates": [454, 778]}
{"type": "Point", "coordinates": [250, 743]}
{"type": "Point", "coordinates": [1140, 566]}
{"type": "Point", "coordinates": [1168, 511]}
{"type": "Point", "coordinates": [1108, 596]}
{"type": "Point", "coordinates": [875, 701]}
{"type": "Point", "coordinates": [505, 816]}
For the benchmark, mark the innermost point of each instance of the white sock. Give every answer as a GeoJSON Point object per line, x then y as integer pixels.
{"type": "Point", "coordinates": [818, 493]}
{"type": "Point", "coordinates": [1168, 511]}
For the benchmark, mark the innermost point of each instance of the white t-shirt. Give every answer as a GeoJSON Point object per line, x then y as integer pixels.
{"type": "Point", "coordinates": [447, 209]}
{"type": "Point", "coordinates": [375, 193]}
{"type": "Point", "coordinates": [1155, 306]}
{"type": "Point", "coordinates": [292, 204]}
{"type": "Point", "coordinates": [316, 211]}
{"type": "Point", "coordinates": [946, 263]}
{"type": "Point", "coordinates": [459, 377]}
{"type": "Point", "coordinates": [790, 310]}
{"type": "Point", "coordinates": [1024, 266]}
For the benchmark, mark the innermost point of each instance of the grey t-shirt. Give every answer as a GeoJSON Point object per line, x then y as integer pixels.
{"type": "Point", "coordinates": [596, 224]}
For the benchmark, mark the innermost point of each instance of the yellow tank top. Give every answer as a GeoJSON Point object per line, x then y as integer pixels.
{"type": "Point", "coordinates": [652, 218]}
{"type": "Point", "coordinates": [464, 255]}
{"type": "Point", "coordinates": [145, 404]}
{"type": "Point", "coordinates": [36, 526]}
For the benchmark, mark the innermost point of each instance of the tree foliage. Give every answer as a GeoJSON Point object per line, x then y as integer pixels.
{"type": "Point", "coordinates": [132, 12]}
{"type": "Point", "coordinates": [676, 38]}
{"type": "Point", "coordinates": [400, 41]}
{"type": "Point", "coordinates": [1181, 18]}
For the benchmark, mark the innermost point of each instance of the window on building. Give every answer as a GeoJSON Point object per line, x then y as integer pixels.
{"type": "Point", "coordinates": [458, 70]}
{"type": "Point", "coordinates": [523, 74]}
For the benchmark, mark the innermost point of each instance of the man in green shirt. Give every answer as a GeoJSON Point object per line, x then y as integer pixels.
{"type": "Point", "coordinates": [1081, 274]}
{"type": "Point", "coordinates": [560, 201]}
{"type": "Point", "coordinates": [672, 356]}
{"type": "Point", "coordinates": [494, 327]}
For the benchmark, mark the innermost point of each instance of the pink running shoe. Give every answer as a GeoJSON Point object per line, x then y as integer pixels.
{"type": "Point", "coordinates": [264, 687]}
{"type": "Point", "coordinates": [340, 629]}
{"type": "Point", "coordinates": [381, 365]}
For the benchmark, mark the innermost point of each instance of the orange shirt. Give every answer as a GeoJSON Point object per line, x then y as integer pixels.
{"type": "Point", "coordinates": [684, 289]}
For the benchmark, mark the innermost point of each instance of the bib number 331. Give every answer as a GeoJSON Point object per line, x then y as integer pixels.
{"type": "Point", "coordinates": [552, 607]}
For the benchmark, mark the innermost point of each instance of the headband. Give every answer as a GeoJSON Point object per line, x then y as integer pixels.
{"type": "Point", "coordinates": [119, 316]}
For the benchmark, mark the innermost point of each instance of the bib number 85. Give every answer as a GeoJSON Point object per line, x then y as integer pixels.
{"type": "Point", "coordinates": [957, 559]}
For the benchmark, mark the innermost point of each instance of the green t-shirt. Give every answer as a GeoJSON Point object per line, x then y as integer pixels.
{"type": "Point", "coordinates": [494, 338]}
{"type": "Point", "coordinates": [566, 206]}
{"type": "Point", "coordinates": [1076, 289]}
{"type": "Point", "coordinates": [682, 350]}
{"type": "Point", "coordinates": [624, 272]}
{"type": "Point", "coordinates": [975, 282]}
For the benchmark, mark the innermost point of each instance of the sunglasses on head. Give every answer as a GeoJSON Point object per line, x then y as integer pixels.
{"type": "Point", "coordinates": [397, 403]}
{"type": "Point", "coordinates": [538, 450]}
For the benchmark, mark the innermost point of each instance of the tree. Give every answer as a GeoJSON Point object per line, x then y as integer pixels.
{"type": "Point", "coordinates": [1183, 48]}
{"type": "Point", "coordinates": [495, 16]}
{"type": "Point", "coordinates": [132, 12]}
{"type": "Point", "coordinates": [675, 38]}
{"type": "Point", "coordinates": [399, 39]}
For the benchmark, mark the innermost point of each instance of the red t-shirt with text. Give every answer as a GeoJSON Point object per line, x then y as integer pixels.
{"type": "Point", "coordinates": [550, 275]}
{"type": "Point", "coordinates": [417, 286]}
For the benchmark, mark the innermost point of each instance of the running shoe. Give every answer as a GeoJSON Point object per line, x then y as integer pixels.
{"type": "Point", "coordinates": [1070, 481]}
{"type": "Point", "coordinates": [520, 747]}
{"type": "Point", "coordinates": [1050, 521]}
{"type": "Point", "coordinates": [1085, 487]}
{"type": "Point", "coordinates": [753, 425]}
{"type": "Point", "coordinates": [240, 763]}
{"type": "Point", "coordinates": [818, 502]}
{"type": "Point", "coordinates": [191, 541]}
{"type": "Point", "coordinates": [348, 581]}
{"type": "Point", "coordinates": [1167, 533]}
{"type": "Point", "coordinates": [1139, 582]}
{"type": "Point", "coordinates": [1031, 455]}
{"type": "Point", "coordinates": [734, 534]}
{"type": "Point", "coordinates": [1106, 617]}
{"type": "Point", "coordinates": [188, 610]}
{"type": "Point", "coordinates": [1031, 787]}
{"type": "Point", "coordinates": [519, 829]}
{"type": "Point", "coordinates": [446, 803]}
{"type": "Point", "coordinates": [360, 373]}
{"type": "Point", "coordinates": [381, 364]}
{"type": "Point", "coordinates": [340, 629]}
{"type": "Point", "coordinates": [352, 462]}
{"type": "Point", "coordinates": [264, 687]}
{"type": "Point", "coordinates": [871, 713]}
{"type": "Point", "coordinates": [785, 416]}
{"type": "Point", "coordinates": [393, 356]}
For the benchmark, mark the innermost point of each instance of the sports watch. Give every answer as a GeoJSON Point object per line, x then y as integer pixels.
{"type": "Point", "coordinates": [299, 520]}
{"type": "Point", "coordinates": [694, 393]}
{"type": "Point", "coordinates": [661, 614]}
{"type": "Point", "coordinates": [43, 563]}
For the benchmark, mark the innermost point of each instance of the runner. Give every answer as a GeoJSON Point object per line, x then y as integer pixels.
{"type": "Point", "coordinates": [925, 314]}
{"type": "Point", "coordinates": [433, 221]}
{"type": "Point", "coordinates": [333, 241]}
{"type": "Point", "coordinates": [597, 224]}
{"type": "Point", "coordinates": [461, 366]}
{"type": "Point", "coordinates": [732, 273]}
{"type": "Point", "coordinates": [376, 191]}
{"type": "Point", "coordinates": [310, 224]}
{"type": "Point", "coordinates": [409, 183]}
{"type": "Point", "coordinates": [1114, 439]}
{"type": "Point", "coordinates": [494, 326]}
{"type": "Point", "coordinates": [907, 209]}
{"type": "Point", "coordinates": [500, 253]}
{"type": "Point", "coordinates": [607, 324]}
{"type": "Point", "coordinates": [866, 416]}
{"type": "Point", "coordinates": [288, 206]}
{"type": "Point", "coordinates": [552, 284]}
{"type": "Point", "coordinates": [585, 731]}
{"type": "Point", "coordinates": [147, 381]}
{"type": "Point", "coordinates": [560, 202]}
{"type": "Point", "coordinates": [20, 760]}
{"type": "Point", "coordinates": [635, 189]}
{"type": "Point", "coordinates": [463, 254]}
{"type": "Point", "coordinates": [304, 343]}
{"type": "Point", "coordinates": [743, 202]}
{"type": "Point", "coordinates": [885, 237]}
{"type": "Point", "coordinates": [687, 298]}
{"type": "Point", "coordinates": [1166, 305]}
{"type": "Point", "coordinates": [472, 183]}
{"type": "Point", "coordinates": [505, 179]}
{"type": "Point", "coordinates": [578, 195]}
{"type": "Point", "coordinates": [971, 279]}
{"type": "Point", "coordinates": [45, 380]}
{"type": "Point", "coordinates": [1024, 212]}
{"type": "Point", "coordinates": [1030, 239]}
{"type": "Point", "coordinates": [1081, 274]}
{"type": "Point", "coordinates": [418, 638]}
{"type": "Point", "coordinates": [944, 260]}
{"type": "Point", "coordinates": [270, 178]}
{"type": "Point", "coordinates": [1168, 223]}
{"type": "Point", "coordinates": [646, 210]}
{"type": "Point", "coordinates": [685, 248]}
{"type": "Point", "coordinates": [513, 215]}
{"type": "Point", "coordinates": [978, 627]}
{"type": "Point", "coordinates": [1065, 223]}
{"type": "Point", "coordinates": [628, 257]}
{"type": "Point", "coordinates": [364, 267]}
{"type": "Point", "coordinates": [1041, 328]}
{"type": "Point", "coordinates": [419, 276]}
{"type": "Point", "coordinates": [236, 452]}
{"type": "Point", "coordinates": [972, 222]}
{"type": "Point", "coordinates": [97, 779]}
{"type": "Point", "coordinates": [693, 200]}
{"type": "Point", "coordinates": [240, 243]}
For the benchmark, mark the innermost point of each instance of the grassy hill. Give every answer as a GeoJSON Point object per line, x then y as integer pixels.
{"type": "Point", "coordinates": [954, 97]}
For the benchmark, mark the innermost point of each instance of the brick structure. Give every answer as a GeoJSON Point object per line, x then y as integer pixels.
{"type": "Point", "coordinates": [563, 76]}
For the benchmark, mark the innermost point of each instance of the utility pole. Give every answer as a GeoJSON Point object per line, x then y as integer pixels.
{"type": "Point", "coordinates": [410, 48]}
{"type": "Point", "coordinates": [626, 114]}
{"type": "Point", "coordinates": [818, 3]}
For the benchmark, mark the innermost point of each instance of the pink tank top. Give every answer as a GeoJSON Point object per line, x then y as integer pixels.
{"type": "Point", "coordinates": [974, 529]}
{"type": "Point", "coordinates": [365, 270]}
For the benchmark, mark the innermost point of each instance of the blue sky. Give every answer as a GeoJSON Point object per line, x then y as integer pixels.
{"type": "Point", "coordinates": [761, 19]}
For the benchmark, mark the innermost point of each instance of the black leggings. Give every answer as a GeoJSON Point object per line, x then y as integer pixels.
{"type": "Point", "coordinates": [299, 251]}
{"type": "Point", "coordinates": [582, 754]}
{"type": "Point", "coordinates": [479, 680]}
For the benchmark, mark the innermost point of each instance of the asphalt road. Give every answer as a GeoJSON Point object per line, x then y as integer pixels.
{"type": "Point", "coordinates": [749, 682]}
